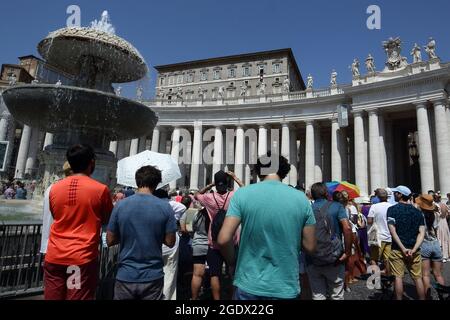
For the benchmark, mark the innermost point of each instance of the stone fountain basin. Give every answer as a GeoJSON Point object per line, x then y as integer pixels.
{"type": "Point", "coordinates": [64, 48]}
{"type": "Point", "coordinates": [61, 109]}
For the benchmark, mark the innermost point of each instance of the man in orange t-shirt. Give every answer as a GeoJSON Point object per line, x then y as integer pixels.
{"type": "Point", "coordinates": [79, 206]}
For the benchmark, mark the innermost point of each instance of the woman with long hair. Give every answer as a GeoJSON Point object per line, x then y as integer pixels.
{"type": "Point", "coordinates": [355, 265]}
{"type": "Point", "coordinates": [430, 249]}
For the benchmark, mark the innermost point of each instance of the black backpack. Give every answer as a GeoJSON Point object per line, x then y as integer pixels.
{"type": "Point", "coordinates": [329, 247]}
{"type": "Point", "coordinates": [218, 220]}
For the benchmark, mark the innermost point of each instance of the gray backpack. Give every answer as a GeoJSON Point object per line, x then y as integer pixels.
{"type": "Point", "coordinates": [329, 246]}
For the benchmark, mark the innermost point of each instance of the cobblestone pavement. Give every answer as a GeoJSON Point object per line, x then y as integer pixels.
{"type": "Point", "coordinates": [359, 290]}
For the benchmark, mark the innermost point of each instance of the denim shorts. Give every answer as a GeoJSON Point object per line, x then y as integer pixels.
{"type": "Point", "coordinates": [431, 250]}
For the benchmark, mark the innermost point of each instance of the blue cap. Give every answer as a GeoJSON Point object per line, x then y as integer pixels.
{"type": "Point", "coordinates": [403, 190]}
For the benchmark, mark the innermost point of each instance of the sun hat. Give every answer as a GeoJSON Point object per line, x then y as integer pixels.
{"type": "Point", "coordinates": [426, 202]}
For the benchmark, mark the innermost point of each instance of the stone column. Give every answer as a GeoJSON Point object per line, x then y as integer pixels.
{"type": "Point", "coordinates": [121, 152]}
{"type": "Point", "coordinates": [309, 155]}
{"type": "Point", "coordinates": [4, 123]}
{"type": "Point", "coordinates": [318, 173]}
{"type": "Point", "coordinates": [48, 140]}
{"type": "Point", "coordinates": [175, 153]}
{"type": "Point", "coordinates": [196, 156]}
{"type": "Point", "coordinates": [285, 146]}
{"type": "Point", "coordinates": [218, 151]}
{"type": "Point", "coordinates": [442, 144]}
{"type": "Point", "coordinates": [142, 144]}
{"type": "Point", "coordinates": [113, 147]}
{"type": "Point", "coordinates": [155, 140]}
{"type": "Point", "coordinates": [134, 147]}
{"type": "Point", "coordinates": [163, 140]}
{"type": "Point", "coordinates": [425, 150]}
{"type": "Point", "coordinates": [336, 148]}
{"type": "Point", "coordinates": [293, 174]}
{"type": "Point", "coordinates": [383, 153]}
{"type": "Point", "coordinates": [239, 154]}
{"type": "Point", "coordinates": [23, 152]}
{"type": "Point", "coordinates": [262, 141]}
{"type": "Point", "coordinates": [32, 152]}
{"type": "Point", "coordinates": [374, 151]}
{"type": "Point", "coordinates": [361, 177]}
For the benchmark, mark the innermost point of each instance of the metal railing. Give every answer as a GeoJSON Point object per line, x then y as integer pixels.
{"type": "Point", "coordinates": [22, 264]}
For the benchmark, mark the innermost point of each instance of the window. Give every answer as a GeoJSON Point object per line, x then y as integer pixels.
{"type": "Point", "coordinates": [262, 70]}
{"type": "Point", "coordinates": [180, 79]}
{"type": "Point", "coordinates": [171, 80]}
{"type": "Point", "coordinates": [231, 73]}
{"type": "Point", "coordinates": [216, 74]}
{"type": "Point", "coordinates": [203, 76]}
{"type": "Point", "coordinates": [246, 71]}
{"type": "Point", "coordinates": [161, 81]}
{"type": "Point", "coordinates": [190, 77]}
{"type": "Point", "coordinates": [276, 68]}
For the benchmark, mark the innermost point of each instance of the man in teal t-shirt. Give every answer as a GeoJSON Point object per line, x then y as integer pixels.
{"type": "Point", "coordinates": [276, 222]}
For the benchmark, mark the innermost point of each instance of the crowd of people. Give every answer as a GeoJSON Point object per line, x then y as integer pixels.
{"type": "Point", "coordinates": [17, 190]}
{"type": "Point", "coordinates": [275, 241]}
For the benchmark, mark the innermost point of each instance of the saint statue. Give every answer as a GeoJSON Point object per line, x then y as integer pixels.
{"type": "Point", "coordinates": [310, 82]}
{"type": "Point", "coordinates": [179, 93]}
{"type": "Point", "coordinates": [59, 83]}
{"type": "Point", "coordinates": [12, 80]}
{"type": "Point", "coordinates": [161, 93]}
{"type": "Point", "coordinates": [416, 53]}
{"type": "Point", "coordinates": [139, 93]}
{"type": "Point", "coordinates": [286, 85]}
{"type": "Point", "coordinates": [333, 80]}
{"type": "Point", "coordinates": [243, 89]}
{"type": "Point", "coordinates": [355, 68]}
{"type": "Point", "coordinates": [201, 93]}
{"type": "Point", "coordinates": [119, 91]}
{"type": "Point", "coordinates": [262, 88]}
{"type": "Point", "coordinates": [221, 92]}
{"type": "Point", "coordinates": [430, 49]}
{"type": "Point", "coordinates": [370, 64]}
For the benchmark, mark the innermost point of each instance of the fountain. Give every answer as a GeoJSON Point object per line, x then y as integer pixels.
{"type": "Point", "coordinates": [89, 111]}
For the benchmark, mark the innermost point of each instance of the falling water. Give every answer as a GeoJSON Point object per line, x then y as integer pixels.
{"type": "Point", "coordinates": [104, 24]}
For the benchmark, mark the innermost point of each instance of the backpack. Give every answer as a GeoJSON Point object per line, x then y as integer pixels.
{"type": "Point", "coordinates": [329, 246]}
{"type": "Point", "coordinates": [218, 220]}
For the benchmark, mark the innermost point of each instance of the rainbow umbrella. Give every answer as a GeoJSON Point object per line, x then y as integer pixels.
{"type": "Point", "coordinates": [352, 190]}
{"type": "Point", "coordinates": [331, 186]}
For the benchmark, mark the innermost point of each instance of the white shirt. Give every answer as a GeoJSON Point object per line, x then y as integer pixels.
{"type": "Point", "coordinates": [47, 220]}
{"type": "Point", "coordinates": [179, 209]}
{"type": "Point", "coordinates": [379, 214]}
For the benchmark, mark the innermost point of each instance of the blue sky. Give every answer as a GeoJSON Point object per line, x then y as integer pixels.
{"type": "Point", "coordinates": [324, 35]}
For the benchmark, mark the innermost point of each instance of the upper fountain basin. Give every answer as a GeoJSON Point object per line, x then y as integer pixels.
{"type": "Point", "coordinates": [64, 49]}
{"type": "Point", "coordinates": [60, 109]}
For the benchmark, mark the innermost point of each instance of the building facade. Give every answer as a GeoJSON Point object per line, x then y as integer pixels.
{"type": "Point", "coordinates": [386, 128]}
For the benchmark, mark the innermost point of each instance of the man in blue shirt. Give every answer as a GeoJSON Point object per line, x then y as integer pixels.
{"type": "Point", "coordinates": [277, 221]}
{"type": "Point", "coordinates": [142, 224]}
{"type": "Point", "coordinates": [327, 281]}
{"type": "Point", "coordinates": [407, 227]}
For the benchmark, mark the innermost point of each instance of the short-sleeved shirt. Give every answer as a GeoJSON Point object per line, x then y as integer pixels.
{"type": "Point", "coordinates": [378, 212]}
{"type": "Point", "coordinates": [272, 216]}
{"type": "Point", "coordinates": [21, 194]}
{"type": "Point", "coordinates": [336, 211]}
{"type": "Point", "coordinates": [407, 221]}
{"type": "Point", "coordinates": [208, 200]}
{"type": "Point", "coordinates": [141, 222]}
{"type": "Point", "coordinates": [79, 205]}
